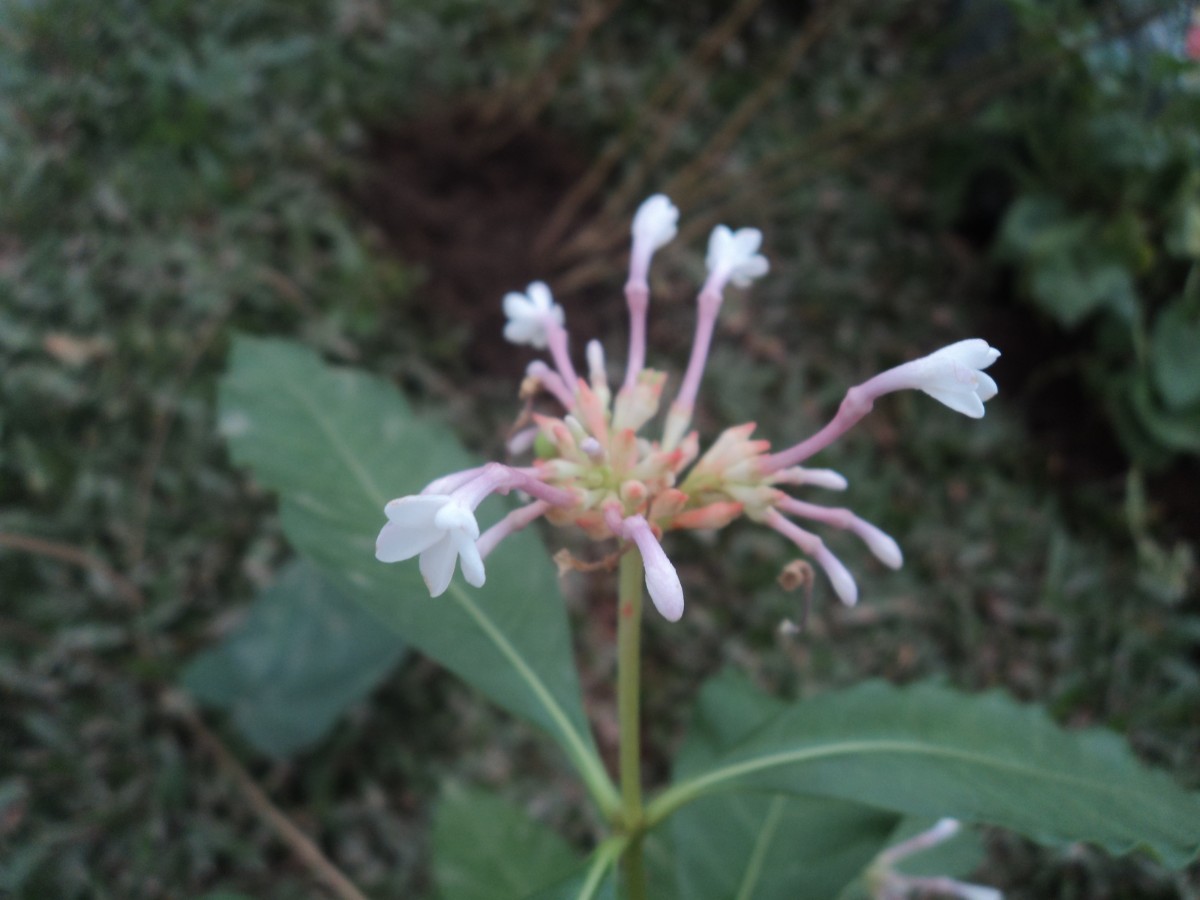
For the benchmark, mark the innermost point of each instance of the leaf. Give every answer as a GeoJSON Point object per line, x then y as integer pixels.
{"type": "Point", "coordinates": [1175, 356]}
{"type": "Point", "coordinates": [302, 656]}
{"type": "Point", "coordinates": [1174, 429]}
{"type": "Point", "coordinates": [930, 751]}
{"type": "Point", "coordinates": [337, 445]}
{"type": "Point", "coordinates": [1071, 288]}
{"type": "Point", "coordinates": [595, 880]}
{"type": "Point", "coordinates": [487, 849]}
{"type": "Point", "coordinates": [578, 887]}
{"type": "Point", "coordinates": [1071, 275]}
{"type": "Point", "coordinates": [741, 844]}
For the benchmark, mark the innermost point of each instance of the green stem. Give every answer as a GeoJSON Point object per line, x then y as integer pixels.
{"type": "Point", "coordinates": [629, 639]}
{"type": "Point", "coordinates": [606, 854]}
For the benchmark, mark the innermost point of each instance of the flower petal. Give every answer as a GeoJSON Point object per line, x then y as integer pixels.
{"type": "Point", "coordinates": [973, 352]}
{"type": "Point", "coordinates": [471, 560]}
{"type": "Point", "coordinates": [456, 516]}
{"type": "Point", "coordinates": [966, 402]}
{"type": "Point", "coordinates": [398, 542]}
{"type": "Point", "coordinates": [539, 295]}
{"type": "Point", "coordinates": [987, 386]}
{"type": "Point", "coordinates": [518, 306]}
{"type": "Point", "coordinates": [746, 241]}
{"type": "Point", "coordinates": [720, 243]}
{"type": "Point", "coordinates": [416, 510]}
{"type": "Point", "coordinates": [437, 565]}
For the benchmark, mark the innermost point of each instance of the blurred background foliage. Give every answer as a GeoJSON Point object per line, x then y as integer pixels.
{"type": "Point", "coordinates": [369, 176]}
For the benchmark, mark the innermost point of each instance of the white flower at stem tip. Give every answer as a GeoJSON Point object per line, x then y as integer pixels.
{"type": "Point", "coordinates": [662, 581]}
{"type": "Point", "coordinates": [439, 528]}
{"type": "Point", "coordinates": [733, 255]}
{"type": "Point", "coordinates": [531, 315]}
{"type": "Point", "coordinates": [655, 224]}
{"type": "Point", "coordinates": [953, 375]}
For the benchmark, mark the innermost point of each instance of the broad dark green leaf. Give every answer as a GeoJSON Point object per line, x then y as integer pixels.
{"type": "Point", "coordinates": [1175, 355]}
{"type": "Point", "coordinates": [930, 751]}
{"type": "Point", "coordinates": [486, 849]}
{"type": "Point", "coordinates": [1176, 429]}
{"type": "Point", "coordinates": [1070, 275]}
{"type": "Point", "coordinates": [337, 445]}
{"type": "Point", "coordinates": [576, 888]}
{"type": "Point", "coordinates": [743, 844]}
{"type": "Point", "coordinates": [304, 653]}
{"type": "Point", "coordinates": [1072, 288]}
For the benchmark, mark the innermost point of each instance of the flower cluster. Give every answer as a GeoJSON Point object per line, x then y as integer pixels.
{"type": "Point", "coordinates": [593, 469]}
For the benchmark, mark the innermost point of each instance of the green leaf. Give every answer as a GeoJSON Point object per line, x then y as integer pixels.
{"type": "Point", "coordinates": [337, 445]}
{"type": "Point", "coordinates": [581, 887]}
{"type": "Point", "coordinates": [596, 880]}
{"type": "Point", "coordinates": [487, 849]}
{"type": "Point", "coordinates": [1071, 289]}
{"type": "Point", "coordinates": [1071, 275]}
{"type": "Point", "coordinates": [740, 844]}
{"type": "Point", "coordinates": [1175, 356]}
{"type": "Point", "coordinates": [1174, 429]}
{"type": "Point", "coordinates": [930, 751]}
{"type": "Point", "coordinates": [302, 656]}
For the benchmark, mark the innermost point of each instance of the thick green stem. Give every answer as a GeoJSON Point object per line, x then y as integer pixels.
{"type": "Point", "coordinates": [629, 639]}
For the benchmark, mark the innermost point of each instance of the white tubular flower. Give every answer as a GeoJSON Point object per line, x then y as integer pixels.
{"type": "Point", "coordinates": [528, 315]}
{"type": "Point", "coordinates": [953, 375]}
{"type": "Point", "coordinates": [886, 883]}
{"type": "Point", "coordinates": [439, 528]}
{"type": "Point", "coordinates": [662, 581]}
{"type": "Point", "coordinates": [734, 254]}
{"type": "Point", "coordinates": [654, 224]}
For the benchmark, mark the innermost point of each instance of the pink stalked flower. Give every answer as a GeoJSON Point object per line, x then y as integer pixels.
{"type": "Point", "coordinates": [595, 470]}
{"type": "Point", "coordinates": [1191, 45]}
{"type": "Point", "coordinates": [953, 375]}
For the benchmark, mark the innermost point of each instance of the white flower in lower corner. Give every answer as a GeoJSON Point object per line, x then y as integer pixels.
{"type": "Point", "coordinates": [529, 314]}
{"type": "Point", "coordinates": [439, 528]}
{"type": "Point", "coordinates": [735, 254]}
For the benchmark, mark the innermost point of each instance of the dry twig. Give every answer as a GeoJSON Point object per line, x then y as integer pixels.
{"type": "Point", "coordinates": [76, 557]}
{"type": "Point", "coordinates": [180, 707]}
{"type": "Point", "coordinates": [662, 123]}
